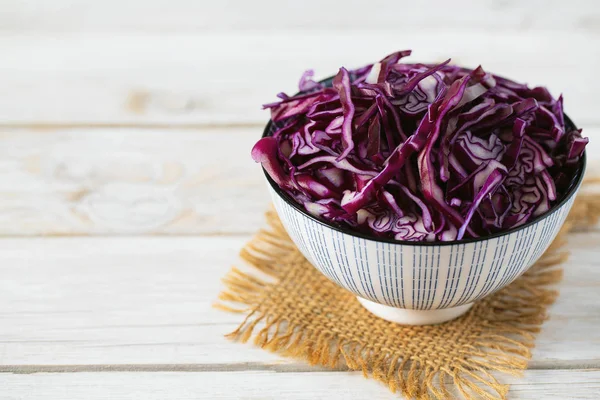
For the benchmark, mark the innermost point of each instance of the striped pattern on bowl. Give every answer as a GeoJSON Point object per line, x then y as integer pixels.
{"type": "Point", "coordinates": [419, 277]}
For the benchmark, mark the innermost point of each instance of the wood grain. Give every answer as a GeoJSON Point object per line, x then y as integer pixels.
{"type": "Point", "coordinates": [223, 78]}
{"type": "Point", "coordinates": [263, 385]}
{"type": "Point", "coordinates": [104, 301]}
{"type": "Point", "coordinates": [127, 181]}
{"type": "Point", "coordinates": [122, 119]}
{"type": "Point", "coordinates": [238, 15]}
{"type": "Point", "coordinates": [124, 181]}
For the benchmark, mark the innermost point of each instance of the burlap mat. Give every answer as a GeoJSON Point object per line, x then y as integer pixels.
{"type": "Point", "coordinates": [294, 310]}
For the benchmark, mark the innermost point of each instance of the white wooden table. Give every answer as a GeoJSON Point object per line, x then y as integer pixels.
{"type": "Point", "coordinates": [126, 186]}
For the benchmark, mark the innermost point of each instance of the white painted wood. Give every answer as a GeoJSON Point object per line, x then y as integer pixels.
{"type": "Point", "coordinates": [123, 181]}
{"type": "Point", "coordinates": [176, 87]}
{"type": "Point", "coordinates": [83, 181]}
{"type": "Point", "coordinates": [148, 301]}
{"type": "Point", "coordinates": [138, 300]}
{"type": "Point", "coordinates": [265, 385]}
{"type": "Point", "coordinates": [240, 15]}
{"type": "Point", "coordinates": [223, 78]}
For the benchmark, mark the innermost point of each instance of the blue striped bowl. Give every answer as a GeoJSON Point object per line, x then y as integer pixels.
{"type": "Point", "coordinates": [420, 282]}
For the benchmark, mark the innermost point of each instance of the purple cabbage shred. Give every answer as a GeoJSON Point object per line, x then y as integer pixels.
{"type": "Point", "coordinates": [421, 152]}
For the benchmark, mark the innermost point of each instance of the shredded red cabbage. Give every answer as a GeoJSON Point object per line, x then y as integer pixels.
{"type": "Point", "coordinates": [421, 152]}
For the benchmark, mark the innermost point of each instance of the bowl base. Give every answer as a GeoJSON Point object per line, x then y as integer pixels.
{"type": "Point", "coordinates": [414, 317]}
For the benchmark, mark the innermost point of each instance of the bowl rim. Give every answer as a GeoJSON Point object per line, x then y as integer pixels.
{"type": "Point", "coordinates": [574, 186]}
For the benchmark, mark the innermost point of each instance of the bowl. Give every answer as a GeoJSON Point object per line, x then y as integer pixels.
{"type": "Point", "coordinates": [420, 283]}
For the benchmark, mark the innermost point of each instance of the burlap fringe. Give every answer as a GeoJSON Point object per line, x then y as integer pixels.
{"type": "Point", "coordinates": [501, 346]}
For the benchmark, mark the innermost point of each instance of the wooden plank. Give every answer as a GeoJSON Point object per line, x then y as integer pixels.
{"type": "Point", "coordinates": [263, 385]}
{"type": "Point", "coordinates": [103, 301]}
{"type": "Point", "coordinates": [96, 300]}
{"type": "Point", "coordinates": [223, 78]}
{"type": "Point", "coordinates": [83, 181]}
{"type": "Point", "coordinates": [238, 15]}
{"type": "Point", "coordinates": [123, 181]}
{"type": "Point", "coordinates": [100, 181]}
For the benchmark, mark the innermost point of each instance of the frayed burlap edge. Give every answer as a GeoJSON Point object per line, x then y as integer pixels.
{"type": "Point", "coordinates": [502, 342]}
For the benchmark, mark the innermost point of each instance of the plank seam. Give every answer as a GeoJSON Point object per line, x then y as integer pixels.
{"type": "Point", "coordinates": [588, 365]}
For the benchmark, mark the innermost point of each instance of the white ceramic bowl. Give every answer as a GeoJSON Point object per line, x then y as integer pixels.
{"type": "Point", "coordinates": [420, 283]}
